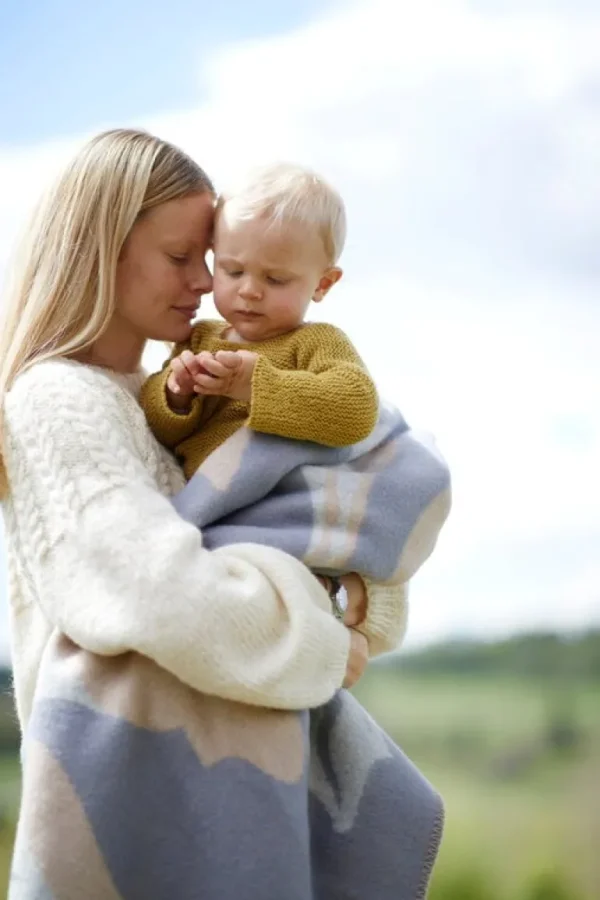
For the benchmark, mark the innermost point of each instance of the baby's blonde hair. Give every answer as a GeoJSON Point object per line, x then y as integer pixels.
{"type": "Point", "coordinates": [62, 295]}
{"type": "Point", "coordinates": [286, 194]}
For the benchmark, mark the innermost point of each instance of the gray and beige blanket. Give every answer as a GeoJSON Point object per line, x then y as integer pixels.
{"type": "Point", "coordinates": [376, 507]}
{"type": "Point", "coordinates": [136, 787]}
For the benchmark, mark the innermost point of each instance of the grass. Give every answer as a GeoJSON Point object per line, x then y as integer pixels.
{"type": "Point", "coordinates": [9, 799]}
{"type": "Point", "coordinates": [515, 832]}
{"type": "Point", "coordinates": [523, 816]}
{"type": "Point", "coordinates": [499, 712]}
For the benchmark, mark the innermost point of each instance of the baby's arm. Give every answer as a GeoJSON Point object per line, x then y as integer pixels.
{"type": "Point", "coordinates": [329, 399]}
{"type": "Point", "coordinates": [172, 407]}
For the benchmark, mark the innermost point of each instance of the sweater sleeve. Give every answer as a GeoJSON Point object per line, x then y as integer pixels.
{"type": "Point", "coordinates": [169, 427]}
{"type": "Point", "coordinates": [116, 569]}
{"type": "Point", "coordinates": [329, 398]}
{"type": "Point", "coordinates": [387, 616]}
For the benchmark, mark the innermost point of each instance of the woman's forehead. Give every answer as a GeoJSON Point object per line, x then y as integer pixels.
{"type": "Point", "coordinates": [184, 218]}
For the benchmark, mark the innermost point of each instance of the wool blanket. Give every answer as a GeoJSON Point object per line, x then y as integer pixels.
{"type": "Point", "coordinates": [375, 508]}
{"type": "Point", "coordinates": [136, 787]}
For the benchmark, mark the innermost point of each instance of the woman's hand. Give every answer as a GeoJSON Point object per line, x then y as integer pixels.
{"type": "Point", "coordinates": [356, 610]}
{"type": "Point", "coordinates": [354, 615]}
{"type": "Point", "coordinates": [357, 658]}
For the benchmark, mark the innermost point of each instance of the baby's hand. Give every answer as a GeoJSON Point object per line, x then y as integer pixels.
{"type": "Point", "coordinates": [182, 378]}
{"type": "Point", "coordinates": [227, 373]}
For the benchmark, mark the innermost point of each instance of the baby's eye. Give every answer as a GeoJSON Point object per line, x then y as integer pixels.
{"type": "Point", "coordinates": [277, 281]}
{"type": "Point", "coordinates": [234, 273]}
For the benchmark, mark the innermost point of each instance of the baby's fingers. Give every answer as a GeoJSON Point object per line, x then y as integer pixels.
{"type": "Point", "coordinates": [208, 385]}
{"type": "Point", "coordinates": [193, 362]}
{"type": "Point", "coordinates": [229, 358]}
{"type": "Point", "coordinates": [179, 380]}
{"type": "Point", "coordinates": [214, 367]}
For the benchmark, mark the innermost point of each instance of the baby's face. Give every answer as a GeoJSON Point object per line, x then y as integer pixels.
{"type": "Point", "coordinates": [265, 276]}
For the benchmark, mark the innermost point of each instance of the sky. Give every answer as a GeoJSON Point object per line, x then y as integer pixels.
{"type": "Point", "coordinates": [465, 139]}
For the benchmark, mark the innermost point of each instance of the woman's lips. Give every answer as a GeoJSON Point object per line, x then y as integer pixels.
{"type": "Point", "coordinates": [188, 311]}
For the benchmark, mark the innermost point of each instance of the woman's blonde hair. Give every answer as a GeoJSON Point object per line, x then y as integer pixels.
{"type": "Point", "coordinates": [61, 295]}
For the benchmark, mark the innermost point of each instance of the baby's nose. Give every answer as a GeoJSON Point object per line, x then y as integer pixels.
{"type": "Point", "coordinates": [250, 288]}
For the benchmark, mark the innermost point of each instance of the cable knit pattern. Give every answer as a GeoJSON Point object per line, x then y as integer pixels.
{"type": "Point", "coordinates": [122, 761]}
{"type": "Point", "coordinates": [308, 385]}
{"type": "Point", "coordinates": [97, 551]}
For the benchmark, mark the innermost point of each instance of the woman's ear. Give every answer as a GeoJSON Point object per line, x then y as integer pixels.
{"type": "Point", "coordinates": [328, 279]}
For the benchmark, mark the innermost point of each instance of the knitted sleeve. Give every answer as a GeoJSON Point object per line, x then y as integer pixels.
{"type": "Point", "coordinates": [170, 428]}
{"type": "Point", "coordinates": [115, 568]}
{"type": "Point", "coordinates": [387, 616]}
{"type": "Point", "coordinates": [330, 398]}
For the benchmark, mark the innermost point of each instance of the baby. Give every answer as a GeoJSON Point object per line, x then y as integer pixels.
{"type": "Point", "coordinates": [277, 243]}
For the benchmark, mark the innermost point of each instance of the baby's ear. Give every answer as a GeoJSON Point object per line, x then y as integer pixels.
{"type": "Point", "coordinates": [328, 279]}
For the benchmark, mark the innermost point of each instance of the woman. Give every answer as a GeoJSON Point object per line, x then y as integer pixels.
{"type": "Point", "coordinates": [101, 565]}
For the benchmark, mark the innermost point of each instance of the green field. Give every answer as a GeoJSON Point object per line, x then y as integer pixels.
{"type": "Point", "coordinates": [517, 761]}
{"type": "Point", "coordinates": [9, 796]}
{"type": "Point", "coordinates": [518, 765]}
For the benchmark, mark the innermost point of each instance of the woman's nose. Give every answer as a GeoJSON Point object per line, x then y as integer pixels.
{"type": "Point", "coordinates": [202, 280]}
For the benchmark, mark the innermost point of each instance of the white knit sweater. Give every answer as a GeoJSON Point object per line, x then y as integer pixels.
{"type": "Point", "coordinates": [96, 550]}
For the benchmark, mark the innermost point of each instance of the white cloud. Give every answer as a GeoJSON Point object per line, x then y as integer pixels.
{"type": "Point", "coordinates": [465, 139]}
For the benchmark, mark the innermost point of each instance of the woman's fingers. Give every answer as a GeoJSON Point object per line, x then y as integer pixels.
{"type": "Point", "coordinates": [356, 608]}
{"type": "Point", "coordinates": [357, 658]}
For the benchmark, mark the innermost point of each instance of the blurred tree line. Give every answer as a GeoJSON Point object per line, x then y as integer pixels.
{"type": "Point", "coordinates": [536, 655]}
{"type": "Point", "coordinates": [9, 729]}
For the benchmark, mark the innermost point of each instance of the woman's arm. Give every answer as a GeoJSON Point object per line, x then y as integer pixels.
{"type": "Point", "coordinates": [116, 569]}
{"type": "Point", "coordinates": [377, 611]}
{"type": "Point", "coordinates": [383, 617]}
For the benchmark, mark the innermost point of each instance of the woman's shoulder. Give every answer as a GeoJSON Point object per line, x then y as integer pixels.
{"type": "Point", "coordinates": [81, 419]}
{"type": "Point", "coordinates": [66, 404]}
{"type": "Point", "coordinates": [63, 374]}
{"type": "Point", "coordinates": [52, 384]}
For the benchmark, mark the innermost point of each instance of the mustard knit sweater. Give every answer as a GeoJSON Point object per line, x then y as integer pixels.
{"type": "Point", "coordinates": [308, 385]}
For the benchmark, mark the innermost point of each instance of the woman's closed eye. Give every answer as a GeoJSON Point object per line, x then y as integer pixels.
{"type": "Point", "coordinates": [180, 259]}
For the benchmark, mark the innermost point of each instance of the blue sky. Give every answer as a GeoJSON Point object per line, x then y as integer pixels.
{"type": "Point", "coordinates": [67, 66]}
{"type": "Point", "coordinates": [465, 137]}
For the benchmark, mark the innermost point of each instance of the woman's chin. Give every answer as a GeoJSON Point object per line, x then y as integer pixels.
{"type": "Point", "coordinates": [175, 331]}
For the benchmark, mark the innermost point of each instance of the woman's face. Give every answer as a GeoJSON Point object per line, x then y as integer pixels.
{"type": "Point", "coordinates": [162, 273]}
